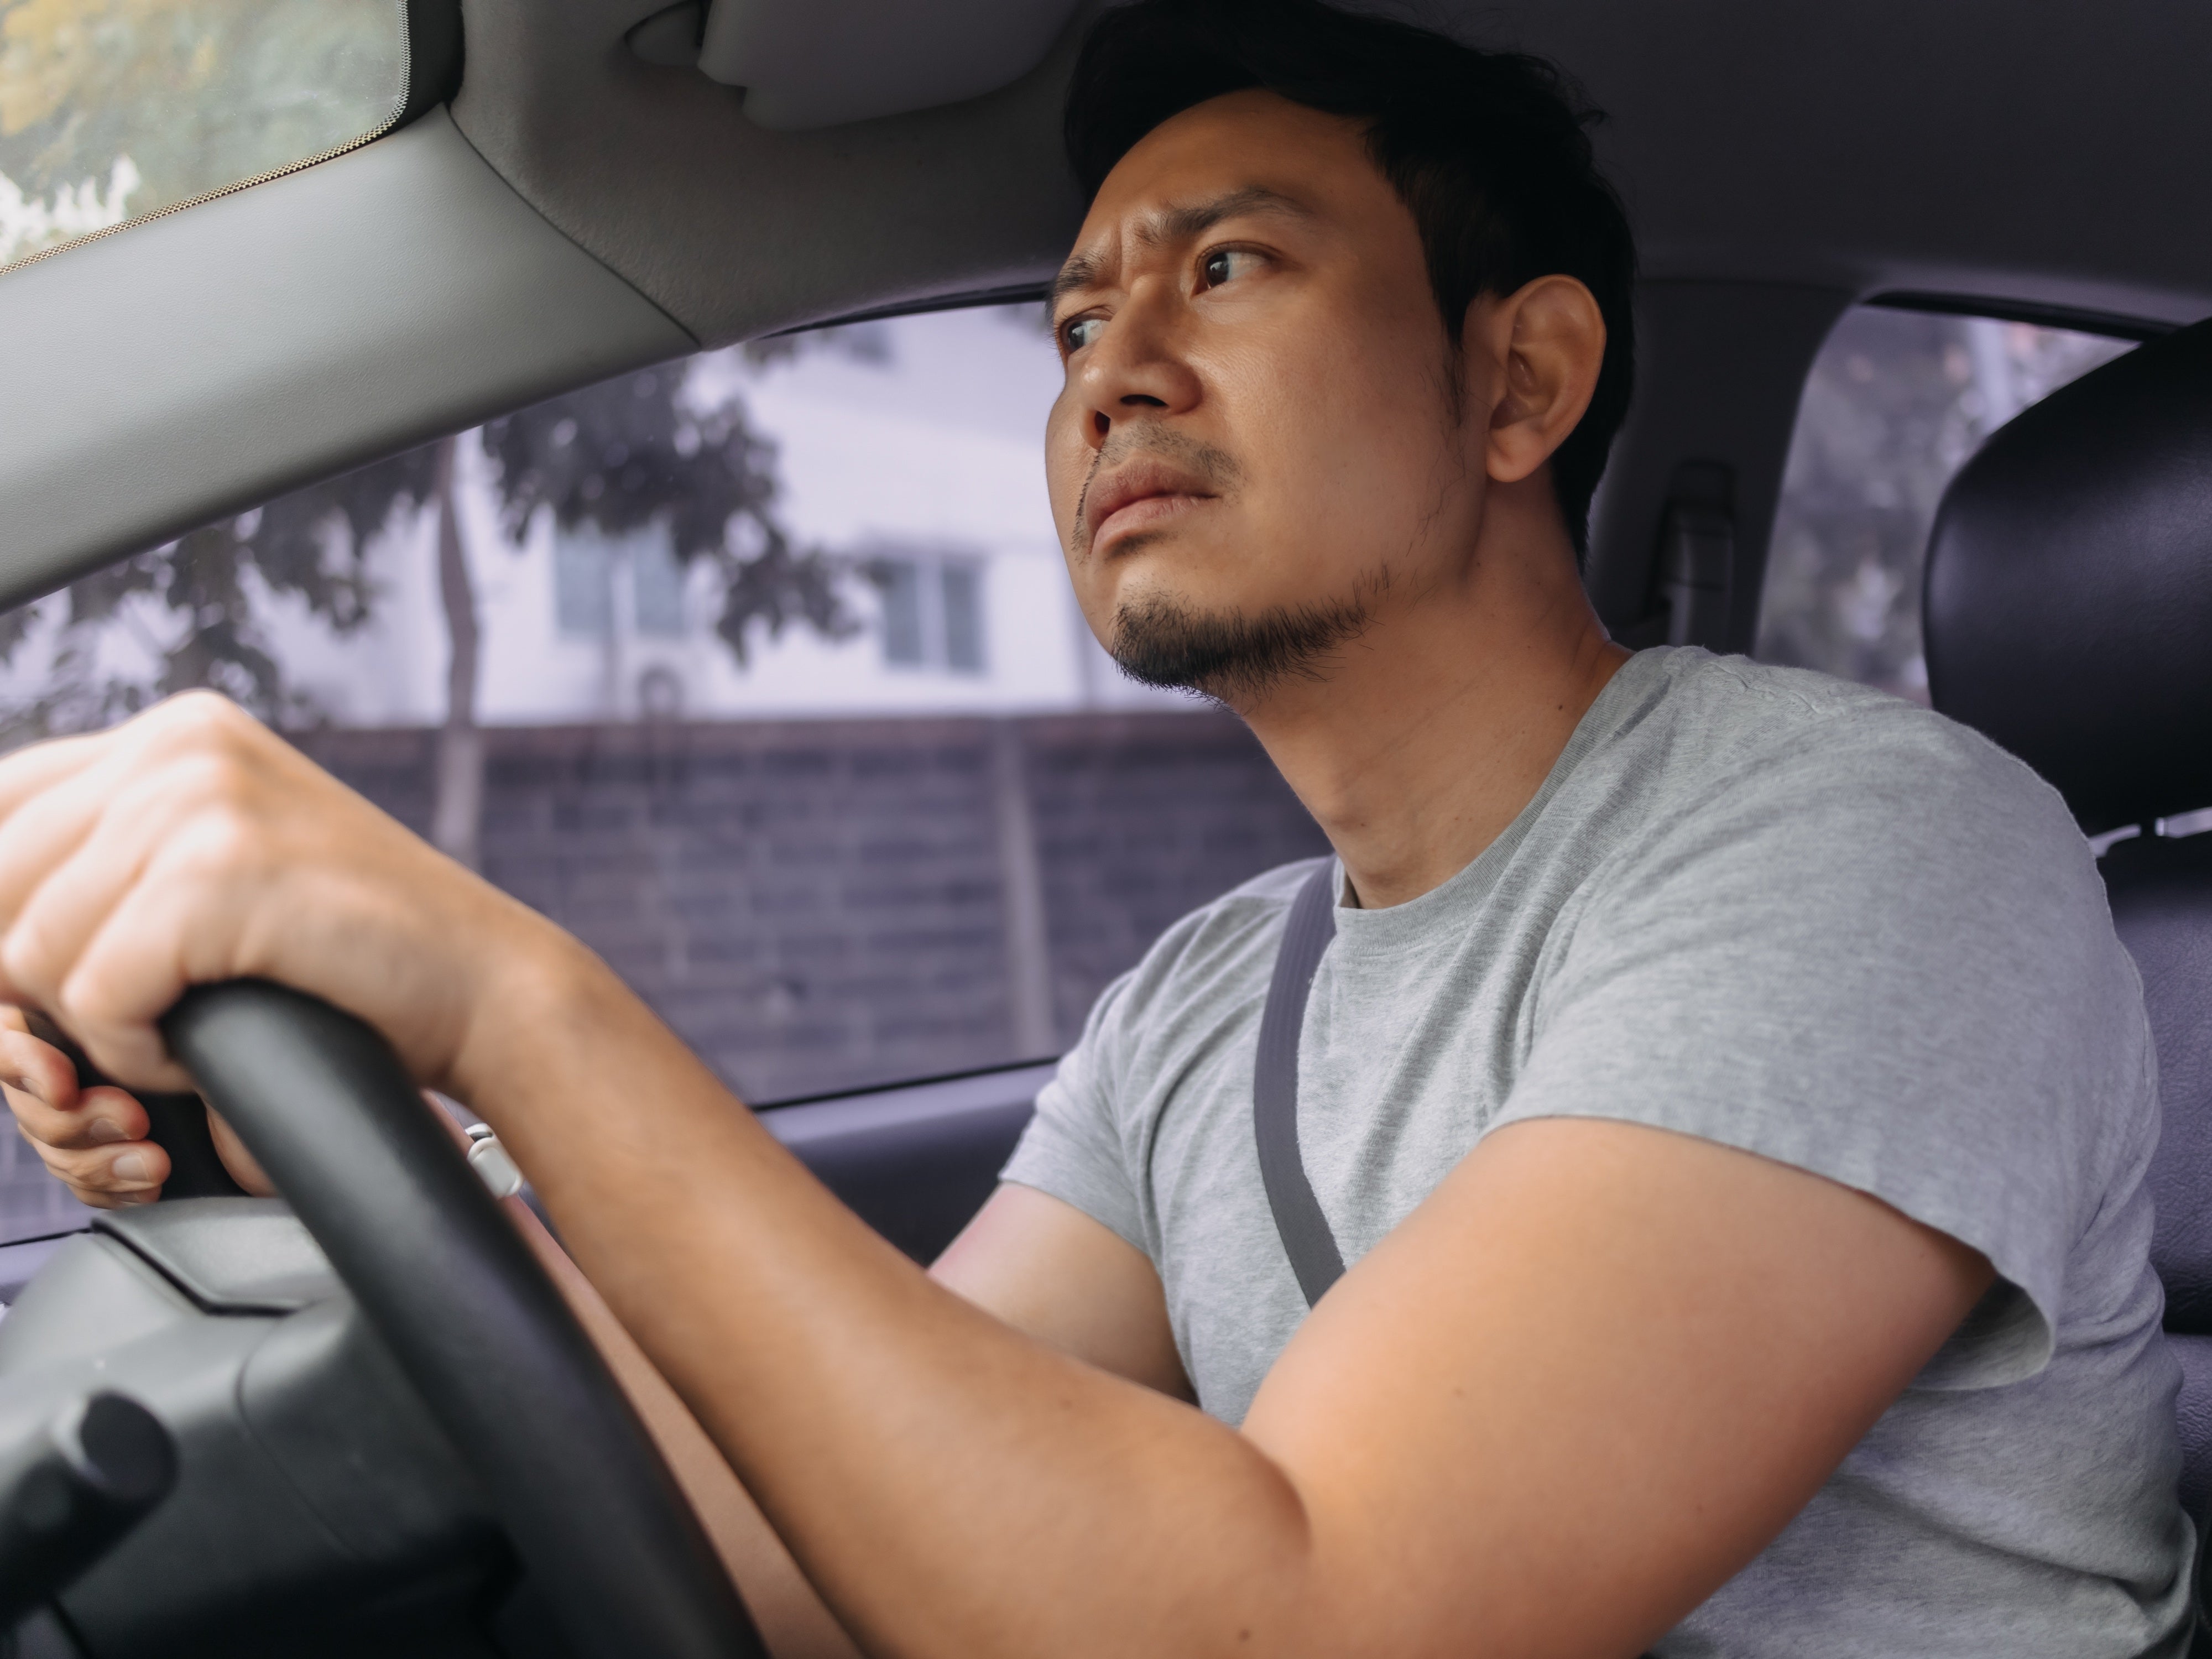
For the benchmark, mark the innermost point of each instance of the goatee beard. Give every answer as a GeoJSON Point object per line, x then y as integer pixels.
{"type": "Point", "coordinates": [1233, 659]}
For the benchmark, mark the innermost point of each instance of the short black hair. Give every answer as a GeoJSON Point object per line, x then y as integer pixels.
{"type": "Point", "coordinates": [1490, 150]}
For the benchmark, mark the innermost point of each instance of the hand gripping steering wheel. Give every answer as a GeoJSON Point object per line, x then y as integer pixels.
{"type": "Point", "coordinates": [479, 1329]}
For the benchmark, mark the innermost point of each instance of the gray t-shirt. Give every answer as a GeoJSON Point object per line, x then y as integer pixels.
{"type": "Point", "coordinates": [1790, 915]}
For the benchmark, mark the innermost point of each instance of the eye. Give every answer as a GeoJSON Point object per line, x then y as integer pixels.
{"type": "Point", "coordinates": [1081, 332]}
{"type": "Point", "coordinates": [1225, 265]}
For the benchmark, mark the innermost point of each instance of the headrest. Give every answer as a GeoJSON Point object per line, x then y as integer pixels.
{"type": "Point", "coordinates": [2069, 601]}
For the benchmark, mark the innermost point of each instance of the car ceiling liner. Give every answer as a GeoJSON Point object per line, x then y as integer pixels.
{"type": "Point", "coordinates": [807, 63]}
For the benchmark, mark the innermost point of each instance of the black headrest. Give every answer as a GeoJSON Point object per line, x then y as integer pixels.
{"type": "Point", "coordinates": [2069, 606]}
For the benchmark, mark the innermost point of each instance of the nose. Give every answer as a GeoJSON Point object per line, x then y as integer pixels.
{"type": "Point", "coordinates": [1136, 369]}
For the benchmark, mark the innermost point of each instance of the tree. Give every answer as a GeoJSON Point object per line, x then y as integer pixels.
{"type": "Point", "coordinates": [618, 457]}
{"type": "Point", "coordinates": [632, 452]}
{"type": "Point", "coordinates": [114, 109]}
{"type": "Point", "coordinates": [310, 545]}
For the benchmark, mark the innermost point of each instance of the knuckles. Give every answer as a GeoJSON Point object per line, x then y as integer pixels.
{"type": "Point", "coordinates": [209, 792]}
{"type": "Point", "coordinates": [26, 960]}
{"type": "Point", "coordinates": [193, 797]}
{"type": "Point", "coordinates": [197, 746]}
{"type": "Point", "coordinates": [221, 833]}
{"type": "Point", "coordinates": [206, 714]}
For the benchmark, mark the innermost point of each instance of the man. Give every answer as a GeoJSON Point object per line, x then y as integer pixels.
{"type": "Point", "coordinates": [1724, 1085]}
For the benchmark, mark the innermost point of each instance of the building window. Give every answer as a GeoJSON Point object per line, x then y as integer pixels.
{"type": "Point", "coordinates": [588, 570]}
{"type": "Point", "coordinates": [583, 586]}
{"type": "Point", "coordinates": [933, 611]}
{"type": "Point", "coordinates": [901, 582]}
{"type": "Point", "coordinates": [962, 585]}
{"type": "Point", "coordinates": [656, 587]}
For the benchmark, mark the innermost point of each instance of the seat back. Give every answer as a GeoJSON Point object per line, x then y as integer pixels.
{"type": "Point", "coordinates": [2069, 615]}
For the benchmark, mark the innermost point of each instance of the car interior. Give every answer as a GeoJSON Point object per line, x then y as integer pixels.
{"type": "Point", "coordinates": [360, 1420]}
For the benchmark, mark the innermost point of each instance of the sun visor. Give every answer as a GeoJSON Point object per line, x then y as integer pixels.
{"type": "Point", "coordinates": [820, 63]}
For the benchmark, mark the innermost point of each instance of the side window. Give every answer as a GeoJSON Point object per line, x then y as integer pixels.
{"type": "Point", "coordinates": [1896, 402]}
{"type": "Point", "coordinates": [784, 705]}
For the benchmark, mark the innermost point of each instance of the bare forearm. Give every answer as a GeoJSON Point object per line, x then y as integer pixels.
{"type": "Point", "coordinates": [792, 1618]}
{"type": "Point", "coordinates": [952, 1486]}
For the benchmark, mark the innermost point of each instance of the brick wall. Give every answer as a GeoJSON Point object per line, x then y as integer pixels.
{"type": "Point", "coordinates": [823, 904]}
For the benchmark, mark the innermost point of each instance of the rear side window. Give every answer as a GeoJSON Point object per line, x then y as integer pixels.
{"type": "Point", "coordinates": [113, 110]}
{"type": "Point", "coordinates": [1895, 404]}
{"type": "Point", "coordinates": [774, 692]}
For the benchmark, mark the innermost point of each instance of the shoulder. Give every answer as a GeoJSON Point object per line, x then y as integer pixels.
{"type": "Point", "coordinates": [1853, 936]}
{"type": "Point", "coordinates": [1837, 865]}
{"type": "Point", "coordinates": [1734, 713]}
{"type": "Point", "coordinates": [1752, 748]}
{"type": "Point", "coordinates": [1826, 858]}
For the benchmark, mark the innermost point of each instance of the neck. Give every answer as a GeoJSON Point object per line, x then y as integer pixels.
{"type": "Point", "coordinates": [1431, 732]}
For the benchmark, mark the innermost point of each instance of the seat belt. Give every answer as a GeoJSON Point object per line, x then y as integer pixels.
{"type": "Point", "coordinates": [1304, 1229]}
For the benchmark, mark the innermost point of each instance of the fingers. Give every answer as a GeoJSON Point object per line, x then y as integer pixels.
{"type": "Point", "coordinates": [65, 860]}
{"type": "Point", "coordinates": [29, 773]}
{"type": "Point", "coordinates": [70, 857]}
{"type": "Point", "coordinates": [33, 1069]}
{"type": "Point", "coordinates": [93, 1139]}
{"type": "Point", "coordinates": [107, 1177]}
{"type": "Point", "coordinates": [97, 1118]}
{"type": "Point", "coordinates": [127, 973]}
{"type": "Point", "coordinates": [40, 830]}
{"type": "Point", "coordinates": [189, 846]}
{"type": "Point", "coordinates": [42, 953]}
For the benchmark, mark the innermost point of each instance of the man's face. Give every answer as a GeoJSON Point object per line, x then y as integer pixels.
{"type": "Point", "coordinates": [1257, 444]}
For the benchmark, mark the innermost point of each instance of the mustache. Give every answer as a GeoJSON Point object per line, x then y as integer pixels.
{"type": "Point", "coordinates": [1215, 467]}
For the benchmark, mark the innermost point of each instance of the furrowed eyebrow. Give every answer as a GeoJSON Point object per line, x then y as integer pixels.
{"type": "Point", "coordinates": [1178, 224]}
{"type": "Point", "coordinates": [1081, 271]}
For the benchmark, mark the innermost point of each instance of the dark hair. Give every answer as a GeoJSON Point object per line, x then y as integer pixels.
{"type": "Point", "coordinates": [1490, 150]}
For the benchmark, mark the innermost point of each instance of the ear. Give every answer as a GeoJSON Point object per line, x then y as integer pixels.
{"type": "Point", "coordinates": [1545, 344]}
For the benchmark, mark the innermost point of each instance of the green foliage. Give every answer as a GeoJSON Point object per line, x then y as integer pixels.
{"type": "Point", "coordinates": [631, 453]}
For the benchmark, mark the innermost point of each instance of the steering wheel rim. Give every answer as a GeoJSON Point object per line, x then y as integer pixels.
{"type": "Point", "coordinates": [322, 1103]}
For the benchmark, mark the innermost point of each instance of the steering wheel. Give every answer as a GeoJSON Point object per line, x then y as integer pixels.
{"type": "Point", "coordinates": [322, 1102]}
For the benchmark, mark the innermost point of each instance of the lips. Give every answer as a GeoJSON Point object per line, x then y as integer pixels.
{"type": "Point", "coordinates": [1138, 494]}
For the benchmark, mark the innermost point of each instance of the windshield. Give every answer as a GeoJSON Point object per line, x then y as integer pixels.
{"type": "Point", "coordinates": [113, 110]}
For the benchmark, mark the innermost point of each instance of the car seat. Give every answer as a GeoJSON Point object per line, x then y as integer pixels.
{"type": "Point", "coordinates": [2069, 615]}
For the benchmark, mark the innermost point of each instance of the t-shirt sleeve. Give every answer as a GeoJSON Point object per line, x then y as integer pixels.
{"type": "Point", "coordinates": [1072, 1148]}
{"type": "Point", "coordinates": [1890, 963]}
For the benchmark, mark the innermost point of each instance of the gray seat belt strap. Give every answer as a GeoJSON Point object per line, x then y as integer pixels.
{"type": "Point", "coordinates": [1304, 1229]}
